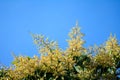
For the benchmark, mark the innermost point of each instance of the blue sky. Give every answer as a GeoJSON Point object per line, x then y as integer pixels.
{"type": "Point", "coordinates": [54, 19]}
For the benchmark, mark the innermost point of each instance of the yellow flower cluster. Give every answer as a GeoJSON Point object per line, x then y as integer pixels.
{"type": "Point", "coordinates": [23, 66]}
{"type": "Point", "coordinates": [74, 63]}
{"type": "Point", "coordinates": [75, 42]}
{"type": "Point", "coordinates": [112, 45]}
{"type": "Point", "coordinates": [104, 59]}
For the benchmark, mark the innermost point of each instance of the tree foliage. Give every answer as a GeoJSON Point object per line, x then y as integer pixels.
{"type": "Point", "coordinates": [74, 63]}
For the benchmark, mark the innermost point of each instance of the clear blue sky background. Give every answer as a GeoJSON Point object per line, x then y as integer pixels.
{"type": "Point", "coordinates": [54, 18]}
